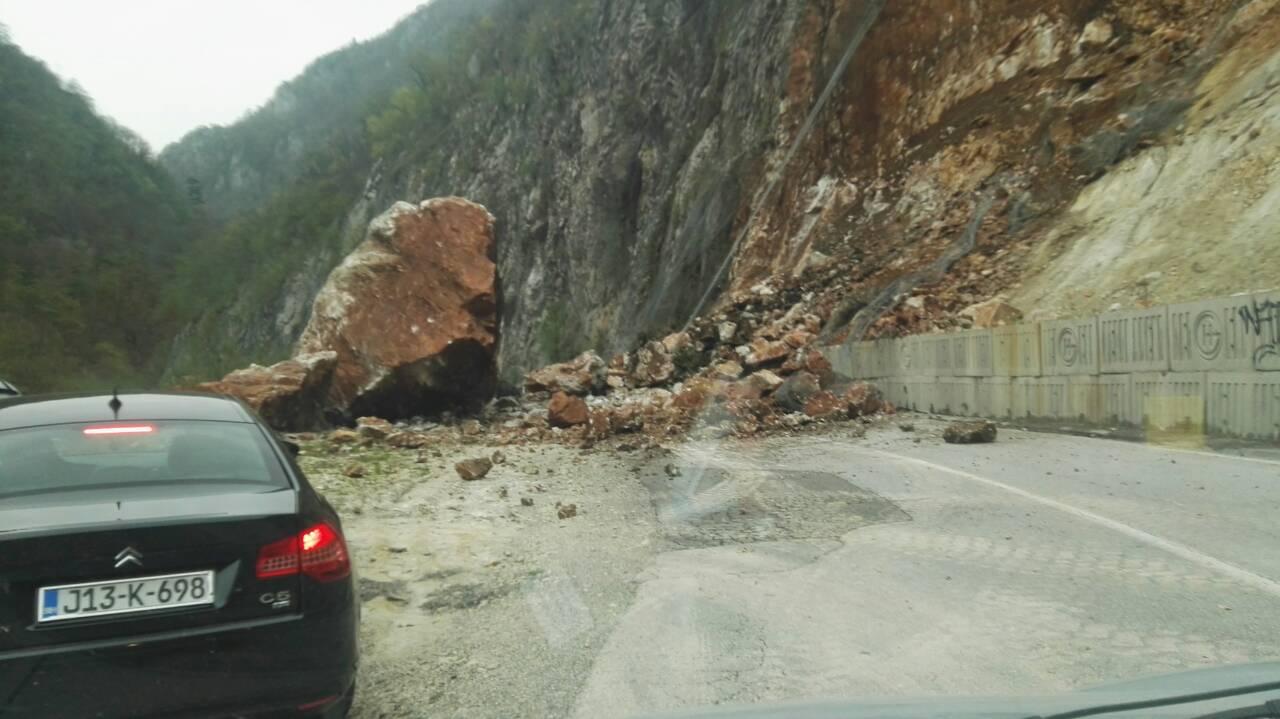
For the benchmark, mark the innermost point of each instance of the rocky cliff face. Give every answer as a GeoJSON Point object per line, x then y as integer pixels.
{"type": "Point", "coordinates": [1057, 152]}
{"type": "Point", "coordinates": [946, 161]}
{"type": "Point", "coordinates": [615, 206]}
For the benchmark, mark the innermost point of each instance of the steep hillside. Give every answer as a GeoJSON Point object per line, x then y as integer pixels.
{"type": "Point", "coordinates": [615, 142]}
{"type": "Point", "coordinates": [951, 165]}
{"type": "Point", "coordinates": [89, 227]}
{"type": "Point", "coordinates": [631, 149]}
{"type": "Point", "coordinates": [239, 168]}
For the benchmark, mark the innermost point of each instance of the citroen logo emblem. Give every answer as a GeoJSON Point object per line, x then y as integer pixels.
{"type": "Point", "coordinates": [128, 556]}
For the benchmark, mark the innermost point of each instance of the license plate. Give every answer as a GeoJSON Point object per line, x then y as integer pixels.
{"type": "Point", "coordinates": [124, 596]}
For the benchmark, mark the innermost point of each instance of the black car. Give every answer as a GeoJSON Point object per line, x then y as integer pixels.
{"type": "Point", "coordinates": [163, 555]}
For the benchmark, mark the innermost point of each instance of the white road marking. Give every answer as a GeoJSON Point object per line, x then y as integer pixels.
{"type": "Point", "coordinates": [1240, 574]}
{"type": "Point", "coordinates": [1205, 453]}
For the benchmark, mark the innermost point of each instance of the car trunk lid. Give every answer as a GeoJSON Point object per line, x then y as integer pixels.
{"type": "Point", "coordinates": [198, 529]}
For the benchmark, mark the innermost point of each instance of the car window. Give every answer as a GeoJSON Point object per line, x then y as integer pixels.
{"type": "Point", "coordinates": [80, 457]}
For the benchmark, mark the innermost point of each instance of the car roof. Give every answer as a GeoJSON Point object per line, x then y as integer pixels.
{"type": "Point", "coordinates": [36, 410]}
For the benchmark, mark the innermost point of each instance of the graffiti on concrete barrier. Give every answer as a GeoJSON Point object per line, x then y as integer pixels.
{"type": "Point", "coordinates": [1263, 319]}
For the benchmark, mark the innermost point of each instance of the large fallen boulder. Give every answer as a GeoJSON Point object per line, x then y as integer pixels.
{"type": "Point", "coordinates": [290, 396]}
{"type": "Point", "coordinates": [976, 432]}
{"type": "Point", "coordinates": [411, 313]}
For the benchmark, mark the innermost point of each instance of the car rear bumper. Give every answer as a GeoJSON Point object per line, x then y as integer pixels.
{"type": "Point", "coordinates": [260, 669]}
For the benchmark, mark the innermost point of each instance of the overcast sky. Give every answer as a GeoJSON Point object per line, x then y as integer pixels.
{"type": "Point", "coordinates": [163, 67]}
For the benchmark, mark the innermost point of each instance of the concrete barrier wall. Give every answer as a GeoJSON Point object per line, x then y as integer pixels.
{"type": "Point", "coordinates": [1197, 369]}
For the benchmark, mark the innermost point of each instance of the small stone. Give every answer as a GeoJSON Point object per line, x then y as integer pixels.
{"type": "Point", "coordinates": [727, 331]}
{"type": "Point", "coordinates": [526, 501]}
{"type": "Point", "coordinates": [825, 405]}
{"type": "Point", "coordinates": [566, 511]}
{"type": "Point", "coordinates": [796, 391]}
{"type": "Point", "coordinates": [727, 370]}
{"type": "Point", "coordinates": [797, 338]}
{"type": "Point", "coordinates": [498, 457]}
{"type": "Point", "coordinates": [406, 440]}
{"type": "Point", "coordinates": [374, 427]}
{"type": "Point", "coordinates": [992, 313]}
{"type": "Point", "coordinates": [1097, 32]}
{"type": "Point", "coordinates": [472, 427]}
{"type": "Point", "coordinates": [472, 469]}
{"type": "Point", "coordinates": [672, 470]}
{"type": "Point", "coordinates": [353, 471]}
{"type": "Point", "coordinates": [907, 427]}
{"type": "Point", "coordinates": [763, 351]}
{"type": "Point", "coordinates": [770, 381]}
{"type": "Point", "coordinates": [343, 436]}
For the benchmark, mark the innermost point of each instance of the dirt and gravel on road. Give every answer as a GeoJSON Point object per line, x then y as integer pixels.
{"type": "Point", "coordinates": [586, 580]}
{"type": "Point", "coordinates": [490, 595]}
{"type": "Point", "coordinates": [476, 594]}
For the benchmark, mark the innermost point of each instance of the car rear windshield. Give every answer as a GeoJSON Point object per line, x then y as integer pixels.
{"type": "Point", "coordinates": [86, 457]}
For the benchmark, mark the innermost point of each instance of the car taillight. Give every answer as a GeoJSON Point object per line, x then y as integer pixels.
{"type": "Point", "coordinates": [317, 552]}
{"type": "Point", "coordinates": [279, 559]}
{"type": "Point", "coordinates": [324, 554]}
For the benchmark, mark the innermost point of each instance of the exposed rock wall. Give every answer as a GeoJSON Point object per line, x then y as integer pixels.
{"type": "Point", "coordinates": [956, 120]}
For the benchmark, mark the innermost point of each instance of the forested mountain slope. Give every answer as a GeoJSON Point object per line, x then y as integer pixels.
{"type": "Point", "coordinates": [89, 230]}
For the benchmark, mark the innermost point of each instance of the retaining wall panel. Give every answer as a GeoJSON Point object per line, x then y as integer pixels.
{"type": "Point", "coordinates": [1116, 393]}
{"type": "Point", "coordinates": [1070, 347]}
{"type": "Point", "coordinates": [1016, 350]}
{"type": "Point", "coordinates": [1244, 405]}
{"type": "Point", "coordinates": [1134, 340]}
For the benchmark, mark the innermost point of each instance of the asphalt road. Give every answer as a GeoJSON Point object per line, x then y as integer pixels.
{"type": "Point", "coordinates": [883, 567]}
{"type": "Point", "coordinates": [796, 568]}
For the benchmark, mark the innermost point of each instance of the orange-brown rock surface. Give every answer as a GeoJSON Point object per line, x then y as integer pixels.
{"type": "Point", "coordinates": [289, 395]}
{"type": "Point", "coordinates": [412, 312]}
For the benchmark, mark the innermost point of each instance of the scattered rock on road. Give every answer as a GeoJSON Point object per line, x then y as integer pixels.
{"type": "Point", "coordinates": [566, 410]}
{"type": "Point", "coordinates": [343, 436]}
{"type": "Point", "coordinates": [566, 511]}
{"type": "Point", "coordinates": [977, 432]}
{"type": "Point", "coordinates": [584, 374]}
{"type": "Point", "coordinates": [353, 471]}
{"type": "Point", "coordinates": [472, 469]}
{"type": "Point", "coordinates": [374, 427]}
{"type": "Point", "coordinates": [863, 399]}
